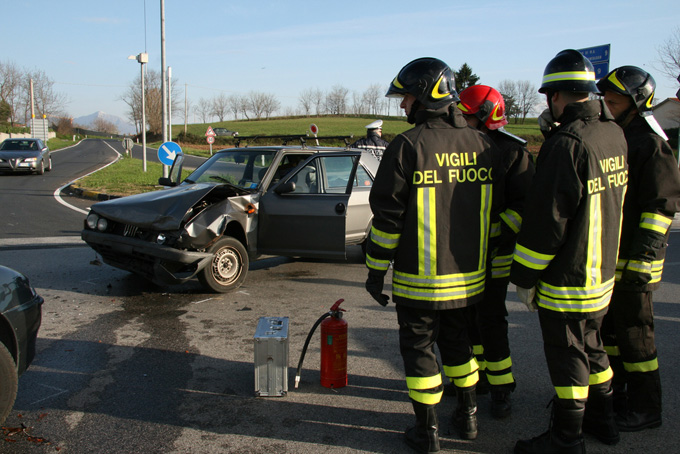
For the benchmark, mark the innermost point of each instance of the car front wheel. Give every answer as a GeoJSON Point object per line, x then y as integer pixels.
{"type": "Point", "coordinates": [41, 168]}
{"type": "Point", "coordinates": [228, 267]}
{"type": "Point", "coordinates": [8, 382]}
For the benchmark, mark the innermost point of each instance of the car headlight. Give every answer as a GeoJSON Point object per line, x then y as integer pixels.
{"type": "Point", "coordinates": [102, 224]}
{"type": "Point", "coordinates": [160, 239]}
{"type": "Point", "coordinates": [30, 159]}
{"type": "Point", "coordinates": [92, 221]}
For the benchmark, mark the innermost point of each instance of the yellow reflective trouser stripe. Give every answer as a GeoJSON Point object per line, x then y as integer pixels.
{"type": "Point", "coordinates": [462, 370]}
{"type": "Point", "coordinates": [466, 382]}
{"type": "Point", "coordinates": [384, 239]}
{"type": "Point", "coordinates": [512, 219]}
{"type": "Point", "coordinates": [425, 398]}
{"type": "Point", "coordinates": [655, 222]}
{"type": "Point", "coordinates": [499, 365]}
{"type": "Point", "coordinates": [601, 377]}
{"type": "Point", "coordinates": [502, 379]}
{"type": "Point", "coordinates": [427, 231]}
{"type": "Point", "coordinates": [612, 350]}
{"type": "Point", "coordinates": [531, 259]}
{"type": "Point", "coordinates": [572, 392]}
{"type": "Point", "coordinates": [424, 382]}
{"type": "Point", "coordinates": [377, 264]}
{"type": "Point", "coordinates": [574, 299]}
{"type": "Point", "coordinates": [478, 349]}
{"type": "Point", "coordinates": [643, 366]}
{"type": "Point", "coordinates": [594, 248]}
{"type": "Point", "coordinates": [484, 223]}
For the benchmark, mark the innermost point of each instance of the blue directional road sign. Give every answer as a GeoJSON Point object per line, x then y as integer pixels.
{"type": "Point", "coordinates": [167, 152]}
{"type": "Point", "coordinates": [599, 57]}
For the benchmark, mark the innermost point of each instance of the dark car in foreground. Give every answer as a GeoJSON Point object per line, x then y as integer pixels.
{"type": "Point", "coordinates": [20, 318]}
{"type": "Point", "coordinates": [240, 204]}
{"type": "Point", "coordinates": [25, 155]}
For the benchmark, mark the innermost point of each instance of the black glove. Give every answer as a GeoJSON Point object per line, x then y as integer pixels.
{"type": "Point", "coordinates": [637, 272]}
{"type": "Point", "coordinates": [374, 286]}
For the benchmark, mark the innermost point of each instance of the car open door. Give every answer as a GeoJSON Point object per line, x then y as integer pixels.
{"type": "Point", "coordinates": [304, 214]}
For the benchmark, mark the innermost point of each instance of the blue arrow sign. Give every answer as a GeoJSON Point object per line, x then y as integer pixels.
{"type": "Point", "coordinates": [167, 152]}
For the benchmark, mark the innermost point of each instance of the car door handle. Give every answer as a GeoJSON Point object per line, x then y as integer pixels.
{"type": "Point", "coordinates": [340, 208]}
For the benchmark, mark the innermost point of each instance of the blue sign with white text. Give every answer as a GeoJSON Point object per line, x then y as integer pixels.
{"type": "Point", "coordinates": [167, 152]}
{"type": "Point", "coordinates": [599, 57]}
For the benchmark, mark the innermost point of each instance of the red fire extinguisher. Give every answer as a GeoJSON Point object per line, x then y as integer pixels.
{"type": "Point", "coordinates": [333, 348]}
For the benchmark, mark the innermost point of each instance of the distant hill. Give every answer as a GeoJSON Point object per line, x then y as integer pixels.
{"type": "Point", "coordinates": [124, 127]}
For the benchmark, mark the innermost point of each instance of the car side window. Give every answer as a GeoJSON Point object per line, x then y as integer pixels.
{"type": "Point", "coordinates": [338, 170]}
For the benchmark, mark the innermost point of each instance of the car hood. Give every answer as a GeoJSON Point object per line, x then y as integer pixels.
{"type": "Point", "coordinates": [160, 210]}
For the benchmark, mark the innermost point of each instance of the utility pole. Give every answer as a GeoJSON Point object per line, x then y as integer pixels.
{"type": "Point", "coordinates": [185, 109]}
{"type": "Point", "coordinates": [164, 88]}
{"type": "Point", "coordinates": [169, 103]}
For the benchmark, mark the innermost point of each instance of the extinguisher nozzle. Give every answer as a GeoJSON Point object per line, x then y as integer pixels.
{"type": "Point", "coordinates": [297, 381]}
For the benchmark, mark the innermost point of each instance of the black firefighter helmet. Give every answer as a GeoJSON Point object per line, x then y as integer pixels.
{"type": "Point", "coordinates": [430, 80]}
{"type": "Point", "coordinates": [569, 71]}
{"type": "Point", "coordinates": [631, 81]}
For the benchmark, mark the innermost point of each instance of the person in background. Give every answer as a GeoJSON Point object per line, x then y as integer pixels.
{"type": "Point", "coordinates": [432, 202]}
{"type": "Point", "coordinates": [484, 109]}
{"type": "Point", "coordinates": [373, 140]}
{"type": "Point", "coordinates": [564, 263]}
{"type": "Point", "coordinates": [652, 199]}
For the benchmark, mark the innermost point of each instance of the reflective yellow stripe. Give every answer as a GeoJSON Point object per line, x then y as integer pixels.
{"type": "Point", "coordinates": [572, 392]}
{"type": "Point", "coordinates": [427, 231]}
{"type": "Point", "coordinates": [574, 299]}
{"type": "Point", "coordinates": [644, 366]}
{"type": "Point", "coordinates": [512, 219]}
{"type": "Point", "coordinates": [461, 370]}
{"type": "Point", "coordinates": [656, 269]}
{"type": "Point", "coordinates": [594, 247]}
{"type": "Point", "coordinates": [495, 230]}
{"type": "Point", "coordinates": [500, 266]}
{"type": "Point", "coordinates": [468, 381]}
{"type": "Point", "coordinates": [655, 222]}
{"type": "Point", "coordinates": [424, 382]}
{"type": "Point", "coordinates": [484, 223]}
{"type": "Point", "coordinates": [503, 379]}
{"type": "Point", "coordinates": [499, 365]}
{"type": "Point", "coordinates": [377, 264]}
{"type": "Point", "coordinates": [435, 90]}
{"type": "Point", "coordinates": [570, 75]}
{"type": "Point", "coordinates": [532, 259]}
{"type": "Point", "coordinates": [384, 239]}
{"type": "Point", "coordinates": [601, 377]}
{"type": "Point", "coordinates": [438, 288]}
{"type": "Point", "coordinates": [478, 349]}
{"type": "Point", "coordinates": [396, 83]}
{"type": "Point", "coordinates": [425, 398]}
{"type": "Point", "coordinates": [612, 350]}
{"type": "Point", "coordinates": [640, 267]}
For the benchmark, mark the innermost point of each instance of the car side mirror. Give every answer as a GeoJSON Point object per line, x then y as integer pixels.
{"type": "Point", "coordinates": [285, 188]}
{"type": "Point", "coordinates": [165, 181]}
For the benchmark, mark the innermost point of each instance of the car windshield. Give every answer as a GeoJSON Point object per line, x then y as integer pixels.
{"type": "Point", "coordinates": [243, 168]}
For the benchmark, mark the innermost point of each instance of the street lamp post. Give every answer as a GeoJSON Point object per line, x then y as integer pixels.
{"type": "Point", "coordinates": [142, 59]}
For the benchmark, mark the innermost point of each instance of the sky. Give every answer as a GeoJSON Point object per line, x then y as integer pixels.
{"type": "Point", "coordinates": [286, 47]}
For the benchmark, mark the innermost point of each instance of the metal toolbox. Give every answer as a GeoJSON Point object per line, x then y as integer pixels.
{"type": "Point", "coordinates": [271, 356]}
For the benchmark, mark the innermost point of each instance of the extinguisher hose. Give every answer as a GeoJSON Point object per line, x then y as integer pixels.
{"type": "Point", "coordinates": [304, 349]}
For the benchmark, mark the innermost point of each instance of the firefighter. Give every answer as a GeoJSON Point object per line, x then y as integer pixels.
{"type": "Point", "coordinates": [373, 141]}
{"type": "Point", "coordinates": [564, 263]}
{"type": "Point", "coordinates": [484, 109]}
{"type": "Point", "coordinates": [652, 199]}
{"type": "Point", "coordinates": [431, 201]}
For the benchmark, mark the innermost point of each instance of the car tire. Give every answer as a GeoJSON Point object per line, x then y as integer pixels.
{"type": "Point", "coordinates": [41, 169]}
{"type": "Point", "coordinates": [49, 164]}
{"type": "Point", "coordinates": [9, 381]}
{"type": "Point", "coordinates": [228, 268]}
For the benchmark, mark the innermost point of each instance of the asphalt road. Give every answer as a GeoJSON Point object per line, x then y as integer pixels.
{"type": "Point", "coordinates": [124, 366]}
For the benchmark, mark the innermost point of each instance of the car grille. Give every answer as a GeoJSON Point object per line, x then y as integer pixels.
{"type": "Point", "coordinates": [130, 230]}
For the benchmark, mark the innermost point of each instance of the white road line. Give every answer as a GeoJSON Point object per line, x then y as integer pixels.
{"type": "Point", "coordinates": [58, 191]}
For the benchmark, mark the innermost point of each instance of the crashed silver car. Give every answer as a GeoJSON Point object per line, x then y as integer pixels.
{"type": "Point", "coordinates": [240, 204]}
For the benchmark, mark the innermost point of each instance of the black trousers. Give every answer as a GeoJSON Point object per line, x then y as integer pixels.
{"type": "Point", "coordinates": [628, 334]}
{"type": "Point", "coordinates": [421, 329]}
{"type": "Point", "coordinates": [576, 357]}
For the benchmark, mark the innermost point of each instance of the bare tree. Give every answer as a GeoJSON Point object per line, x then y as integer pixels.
{"type": "Point", "coordinates": [336, 100]}
{"type": "Point", "coordinates": [10, 88]}
{"type": "Point", "coordinates": [46, 101]}
{"type": "Point", "coordinates": [318, 101]}
{"type": "Point", "coordinates": [357, 104]}
{"type": "Point", "coordinates": [372, 99]}
{"type": "Point", "coordinates": [220, 106]}
{"type": "Point", "coordinates": [153, 100]}
{"type": "Point", "coordinates": [306, 101]}
{"type": "Point", "coordinates": [203, 109]}
{"type": "Point", "coordinates": [234, 103]}
{"type": "Point", "coordinates": [508, 89]}
{"type": "Point", "coordinates": [527, 98]}
{"type": "Point", "coordinates": [269, 104]}
{"type": "Point", "coordinates": [102, 125]}
{"type": "Point", "coordinates": [669, 55]}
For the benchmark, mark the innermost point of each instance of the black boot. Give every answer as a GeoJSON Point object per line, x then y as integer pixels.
{"type": "Point", "coordinates": [465, 415]}
{"type": "Point", "coordinates": [501, 407]}
{"type": "Point", "coordinates": [644, 402]}
{"type": "Point", "coordinates": [424, 437]}
{"type": "Point", "coordinates": [599, 417]}
{"type": "Point", "coordinates": [563, 437]}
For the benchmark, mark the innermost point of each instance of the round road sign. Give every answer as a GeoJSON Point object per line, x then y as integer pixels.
{"type": "Point", "coordinates": [210, 139]}
{"type": "Point", "coordinates": [167, 152]}
{"type": "Point", "coordinates": [314, 129]}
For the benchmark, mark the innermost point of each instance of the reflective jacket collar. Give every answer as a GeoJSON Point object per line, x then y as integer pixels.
{"type": "Point", "coordinates": [588, 110]}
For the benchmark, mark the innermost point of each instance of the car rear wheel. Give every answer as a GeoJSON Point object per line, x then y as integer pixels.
{"type": "Point", "coordinates": [228, 267]}
{"type": "Point", "coordinates": [8, 382]}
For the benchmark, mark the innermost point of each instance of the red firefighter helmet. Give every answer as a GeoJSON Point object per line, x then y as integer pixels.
{"type": "Point", "coordinates": [485, 103]}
